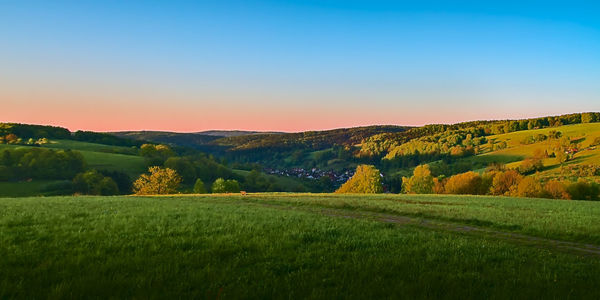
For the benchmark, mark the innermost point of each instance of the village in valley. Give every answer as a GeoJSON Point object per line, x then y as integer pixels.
{"type": "Point", "coordinates": [313, 173]}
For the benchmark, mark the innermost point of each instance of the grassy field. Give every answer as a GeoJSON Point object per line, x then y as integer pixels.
{"type": "Point", "coordinates": [101, 157]}
{"type": "Point", "coordinates": [97, 156]}
{"type": "Point", "coordinates": [294, 246]}
{"type": "Point", "coordinates": [516, 152]}
{"type": "Point", "coordinates": [25, 188]}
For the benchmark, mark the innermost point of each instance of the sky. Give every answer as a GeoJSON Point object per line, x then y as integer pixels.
{"type": "Point", "coordinates": [189, 66]}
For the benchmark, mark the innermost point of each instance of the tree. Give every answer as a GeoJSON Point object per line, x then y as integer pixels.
{"type": "Point", "coordinates": [465, 183]}
{"type": "Point", "coordinates": [232, 186]}
{"type": "Point", "coordinates": [556, 190]}
{"type": "Point", "coordinates": [199, 187]}
{"type": "Point", "coordinates": [158, 181]}
{"type": "Point", "coordinates": [183, 166]}
{"type": "Point", "coordinates": [561, 155]}
{"type": "Point", "coordinates": [420, 183]}
{"type": "Point", "coordinates": [93, 183]}
{"type": "Point", "coordinates": [588, 117]}
{"type": "Point", "coordinates": [530, 165]}
{"type": "Point", "coordinates": [584, 190]}
{"type": "Point", "coordinates": [225, 186]}
{"type": "Point", "coordinates": [505, 182]}
{"type": "Point", "coordinates": [122, 180]}
{"type": "Point", "coordinates": [156, 154]}
{"type": "Point", "coordinates": [255, 181]}
{"type": "Point", "coordinates": [218, 186]}
{"type": "Point", "coordinates": [366, 180]}
{"type": "Point", "coordinates": [529, 187]}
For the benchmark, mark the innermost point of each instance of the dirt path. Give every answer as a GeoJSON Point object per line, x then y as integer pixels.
{"type": "Point", "coordinates": [517, 238]}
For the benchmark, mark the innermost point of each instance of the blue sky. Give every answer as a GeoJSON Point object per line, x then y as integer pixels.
{"type": "Point", "coordinates": [294, 65]}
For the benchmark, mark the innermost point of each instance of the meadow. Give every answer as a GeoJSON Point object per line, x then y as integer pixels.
{"type": "Point", "coordinates": [298, 246]}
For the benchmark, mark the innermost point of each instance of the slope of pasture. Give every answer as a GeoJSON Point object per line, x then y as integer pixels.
{"type": "Point", "coordinates": [29, 188]}
{"type": "Point", "coordinates": [85, 146]}
{"type": "Point", "coordinates": [270, 246]}
{"type": "Point", "coordinates": [96, 156]}
{"type": "Point", "coordinates": [556, 219]}
{"type": "Point", "coordinates": [101, 157]}
{"type": "Point", "coordinates": [516, 152]}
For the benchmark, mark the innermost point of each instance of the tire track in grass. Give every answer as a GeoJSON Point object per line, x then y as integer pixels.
{"type": "Point", "coordinates": [516, 238]}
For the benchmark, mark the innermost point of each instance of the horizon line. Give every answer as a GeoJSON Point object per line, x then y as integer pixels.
{"type": "Point", "coordinates": [300, 131]}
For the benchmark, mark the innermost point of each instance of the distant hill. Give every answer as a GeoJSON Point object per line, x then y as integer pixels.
{"type": "Point", "coordinates": [231, 133]}
{"type": "Point", "coordinates": [174, 138]}
{"type": "Point", "coordinates": [238, 139]}
{"type": "Point", "coordinates": [315, 140]}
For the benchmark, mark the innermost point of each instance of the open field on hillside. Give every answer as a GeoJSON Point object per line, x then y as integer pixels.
{"type": "Point", "coordinates": [25, 189]}
{"type": "Point", "coordinates": [516, 152]}
{"type": "Point", "coordinates": [97, 156]}
{"type": "Point", "coordinates": [298, 246]}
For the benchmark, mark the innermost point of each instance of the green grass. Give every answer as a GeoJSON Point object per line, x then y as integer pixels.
{"type": "Point", "coordinates": [99, 156]}
{"type": "Point", "coordinates": [130, 164]}
{"type": "Point", "coordinates": [556, 219]}
{"type": "Point", "coordinates": [25, 189]}
{"type": "Point", "coordinates": [516, 152]}
{"type": "Point", "coordinates": [77, 145]}
{"type": "Point", "coordinates": [249, 247]}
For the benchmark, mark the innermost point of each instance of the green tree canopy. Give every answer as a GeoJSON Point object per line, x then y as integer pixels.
{"type": "Point", "coordinates": [420, 183]}
{"type": "Point", "coordinates": [158, 181]}
{"type": "Point", "coordinates": [199, 187]}
{"type": "Point", "coordinates": [225, 186]}
{"type": "Point", "coordinates": [366, 180]}
{"type": "Point", "coordinates": [93, 183]}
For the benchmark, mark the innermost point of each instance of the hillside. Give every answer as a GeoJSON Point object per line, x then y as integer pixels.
{"type": "Point", "coordinates": [563, 147]}
{"type": "Point", "coordinates": [173, 138]}
{"type": "Point", "coordinates": [120, 158]}
{"type": "Point", "coordinates": [232, 133]}
{"type": "Point", "coordinates": [96, 156]}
